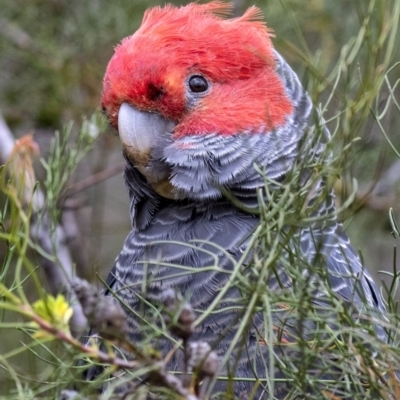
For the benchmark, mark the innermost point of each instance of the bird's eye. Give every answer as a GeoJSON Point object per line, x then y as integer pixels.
{"type": "Point", "coordinates": [198, 84]}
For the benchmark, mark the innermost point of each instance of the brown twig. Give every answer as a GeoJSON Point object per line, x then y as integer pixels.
{"type": "Point", "coordinates": [157, 368]}
{"type": "Point", "coordinates": [60, 272]}
{"type": "Point", "coordinates": [95, 179]}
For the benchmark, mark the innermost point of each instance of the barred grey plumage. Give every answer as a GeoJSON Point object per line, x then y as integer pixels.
{"type": "Point", "coordinates": [213, 121]}
{"type": "Point", "coordinates": [198, 167]}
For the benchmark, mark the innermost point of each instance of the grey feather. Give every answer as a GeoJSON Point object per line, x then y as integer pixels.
{"type": "Point", "coordinates": [199, 166]}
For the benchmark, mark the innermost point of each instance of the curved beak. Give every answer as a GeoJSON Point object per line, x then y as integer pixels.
{"type": "Point", "coordinates": [140, 131]}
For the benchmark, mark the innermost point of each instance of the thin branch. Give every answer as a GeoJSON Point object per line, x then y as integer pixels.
{"type": "Point", "coordinates": [158, 370]}
{"type": "Point", "coordinates": [95, 179]}
{"type": "Point", "coordinates": [60, 272]}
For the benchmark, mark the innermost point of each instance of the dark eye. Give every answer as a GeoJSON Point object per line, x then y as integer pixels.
{"type": "Point", "coordinates": [198, 84]}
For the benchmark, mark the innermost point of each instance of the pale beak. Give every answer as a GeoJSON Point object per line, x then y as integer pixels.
{"type": "Point", "coordinates": [140, 131]}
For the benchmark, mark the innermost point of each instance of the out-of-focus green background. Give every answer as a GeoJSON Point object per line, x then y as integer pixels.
{"type": "Point", "coordinates": [53, 54]}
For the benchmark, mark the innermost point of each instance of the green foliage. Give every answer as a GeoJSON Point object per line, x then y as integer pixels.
{"type": "Point", "coordinates": [349, 79]}
{"type": "Point", "coordinates": [54, 54]}
{"type": "Point", "coordinates": [64, 158]}
{"type": "Point", "coordinates": [18, 272]}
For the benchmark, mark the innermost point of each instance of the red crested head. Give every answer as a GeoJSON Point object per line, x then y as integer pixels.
{"type": "Point", "coordinates": [205, 73]}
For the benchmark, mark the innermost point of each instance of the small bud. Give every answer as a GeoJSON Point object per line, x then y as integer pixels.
{"type": "Point", "coordinates": [169, 298]}
{"type": "Point", "coordinates": [183, 325]}
{"type": "Point", "coordinates": [87, 295]}
{"type": "Point", "coordinates": [109, 320]}
{"type": "Point", "coordinates": [104, 313]}
{"type": "Point", "coordinates": [184, 328]}
{"type": "Point", "coordinates": [202, 359]}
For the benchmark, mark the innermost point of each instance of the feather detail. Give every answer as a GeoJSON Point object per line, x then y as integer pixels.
{"type": "Point", "coordinates": [234, 55]}
{"type": "Point", "coordinates": [218, 8]}
{"type": "Point", "coordinates": [255, 112]}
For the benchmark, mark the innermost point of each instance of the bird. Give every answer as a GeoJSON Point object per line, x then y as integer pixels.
{"type": "Point", "coordinates": [210, 115]}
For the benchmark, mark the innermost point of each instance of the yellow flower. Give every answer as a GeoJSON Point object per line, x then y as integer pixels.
{"type": "Point", "coordinates": [56, 311]}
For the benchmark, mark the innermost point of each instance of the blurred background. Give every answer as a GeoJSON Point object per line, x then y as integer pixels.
{"type": "Point", "coordinates": [53, 55]}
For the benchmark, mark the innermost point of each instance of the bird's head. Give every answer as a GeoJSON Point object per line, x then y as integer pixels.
{"type": "Point", "coordinates": [187, 89]}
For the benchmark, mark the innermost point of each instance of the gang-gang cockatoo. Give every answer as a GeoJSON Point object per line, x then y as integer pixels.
{"type": "Point", "coordinates": [209, 114]}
